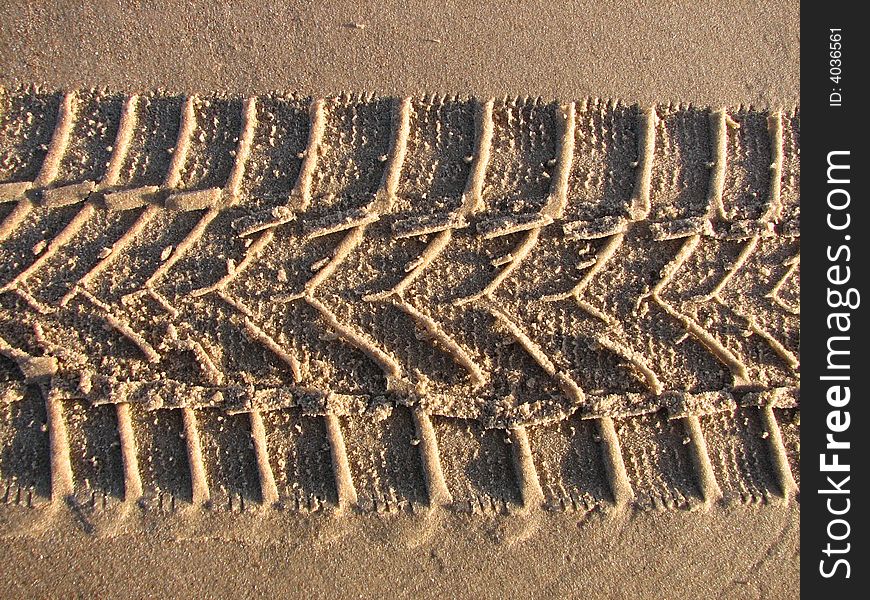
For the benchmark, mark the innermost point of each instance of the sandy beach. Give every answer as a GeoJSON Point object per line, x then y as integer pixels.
{"type": "Point", "coordinates": [424, 301]}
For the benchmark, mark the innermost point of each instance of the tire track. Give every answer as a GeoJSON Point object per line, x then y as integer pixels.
{"type": "Point", "coordinates": [114, 244]}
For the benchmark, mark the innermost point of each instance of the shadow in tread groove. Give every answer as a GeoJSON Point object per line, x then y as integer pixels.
{"type": "Point", "coordinates": [25, 476]}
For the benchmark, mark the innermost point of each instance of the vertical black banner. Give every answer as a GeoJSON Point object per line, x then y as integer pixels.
{"type": "Point", "coordinates": [834, 369]}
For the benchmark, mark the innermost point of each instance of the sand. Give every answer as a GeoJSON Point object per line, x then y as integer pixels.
{"type": "Point", "coordinates": [350, 416]}
{"type": "Point", "coordinates": [649, 52]}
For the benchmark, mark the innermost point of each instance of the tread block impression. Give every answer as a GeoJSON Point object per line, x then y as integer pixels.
{"type": "Point", "coordinates": [740, 455]}
{"type": "Point", "coordinates": [61, 272]}
{"type": "Point", "coordinates": [277, 151]}
{"type": "Point", "coordinates": [163, 461]}
{"type": "Point", "coordinates": [439, 155]}
{"type": "Point", "coordinates": [384, 461]}
{"type": "Point", "coordinates": [98, 116]}
{"type": "Point", "coordinates": [478, 466]}
{"type": "Point", "coordinates": [300, 459]}
{"type": "Point", "coordinates": [229, 458]}
{"type": "Point", "coordinates": [27, 121]}
{"type": "Point", "coordinates": [213, 141]}
{"type": "Point", "coordinates": [356, 139]}
{"type": "Point", "coordinates": [570, 465]}
{"type": "Point", "coordinates": [657, 459]}
{"type": "Point", "coordinates": [154, 139]}
{"type": "Point", "coordinates": [31, 238]}
{"type": "Point", "coordinates": [25, 475]}
{"type": "Point", "coordinates": [681, 171]}
{"type": "Point", "coordinates": [522, 155]}
{"type": "Point", "coordinates": [603, 169]}
{"type": "Point", "coordinates": [95, 454]}
{"type": "Point", "coordinates": [747, 180]}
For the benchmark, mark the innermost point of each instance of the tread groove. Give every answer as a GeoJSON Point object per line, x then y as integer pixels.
{"type": "Point", "coordinates": [199, 482]}
{"type": "Point", "coordinates": [779, 458]}
{"type": "Point", "coordinates": [133, 489]}
{"type": "Point", "coordinates": [268, 487]}
{"type": "Point", "coordinates": [620, 485]}
{"type": "Point", "coordinates": [347, 496]}
{"type": "Point", "coordinates": [62, 483]}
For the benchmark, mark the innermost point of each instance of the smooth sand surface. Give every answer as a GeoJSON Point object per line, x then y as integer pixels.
{"type": "Point", "coordinates": [703, 52]}
{"type": "Point", "coordinates": [743, 552]}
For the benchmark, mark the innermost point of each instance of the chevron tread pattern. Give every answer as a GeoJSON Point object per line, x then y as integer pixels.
{"type": "Point", "coordinates": [273, 261]}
